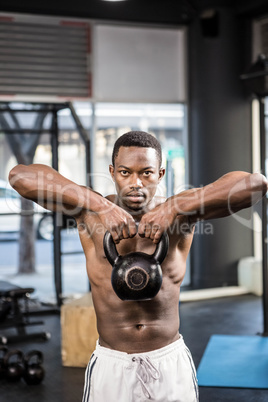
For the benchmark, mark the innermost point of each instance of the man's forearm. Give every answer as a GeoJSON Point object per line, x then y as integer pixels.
{"type": "Point", "coordinates": [48, 188]}
{"type": "Point", "coordinates": [229, 194]}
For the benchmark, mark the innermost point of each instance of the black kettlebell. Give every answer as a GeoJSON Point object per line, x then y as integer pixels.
{"type": "Point", "coordinates": [3, 352]}
{"type": "Point", "coordinates": [136, 275]}
{"type": "Point", "coordinates": [34, 371]}
{"type": "Point", "coordinates": [14, 368]}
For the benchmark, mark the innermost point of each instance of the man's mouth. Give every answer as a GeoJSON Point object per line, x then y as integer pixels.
{"type": "Point", "coordinates": [135, 197]}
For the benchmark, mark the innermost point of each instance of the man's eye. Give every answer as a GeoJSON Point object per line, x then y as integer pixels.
{"type": "Point", "coordinates": [124, 172]}
{"type": "Point", "coordinates": [147, 173]}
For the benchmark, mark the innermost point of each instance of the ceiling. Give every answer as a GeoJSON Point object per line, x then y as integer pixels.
{"type": "Point", "coordinates": [144, 11]}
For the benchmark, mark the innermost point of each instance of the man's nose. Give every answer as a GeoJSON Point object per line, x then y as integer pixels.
{"type": "Point", "coordinates": [136, 182]}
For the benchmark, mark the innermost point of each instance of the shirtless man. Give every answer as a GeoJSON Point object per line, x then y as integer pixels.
{"type": "Point", "coordinates": [140, 354]}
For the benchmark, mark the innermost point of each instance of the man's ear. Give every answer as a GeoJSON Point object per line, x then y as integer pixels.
{"type": "Point", "coordinates": [162, 172]}
{"type": "Point", "coordinates": [111, 170]}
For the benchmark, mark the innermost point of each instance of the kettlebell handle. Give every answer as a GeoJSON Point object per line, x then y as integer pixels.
{"type": "Point", "coordinates": [37, 354]}
{"type": "Point", "coordinates": [161, 248]}
{"type": "Point", "coordinates": [3, 350]}
{"type": "Point", "coordinates": [14, 352]}
{"type": "Point", "coordinates": [110, 248]}
{"type": "Point", "coordinates": [112, 253]}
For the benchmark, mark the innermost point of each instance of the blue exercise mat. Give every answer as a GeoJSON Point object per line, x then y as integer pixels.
{"type": "Point", "coordinates": [235, 362]}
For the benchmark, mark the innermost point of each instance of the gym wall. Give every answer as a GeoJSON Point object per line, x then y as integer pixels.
{"type": "Point", "coordinates": [220, 138]}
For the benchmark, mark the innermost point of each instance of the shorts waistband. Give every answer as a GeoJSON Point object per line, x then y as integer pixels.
{"type": "Point", "coordinates": [153, 354]}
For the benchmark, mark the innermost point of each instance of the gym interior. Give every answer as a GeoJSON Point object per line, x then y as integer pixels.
{"type": "Point", "coordinates": [73, 78]}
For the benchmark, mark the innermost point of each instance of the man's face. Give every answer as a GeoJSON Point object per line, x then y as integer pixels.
{"type": "Point", "coordinates": [136, 173]}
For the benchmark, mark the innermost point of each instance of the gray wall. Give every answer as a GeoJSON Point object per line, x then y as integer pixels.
{"type": "Point", "coordinates": [220, 140]}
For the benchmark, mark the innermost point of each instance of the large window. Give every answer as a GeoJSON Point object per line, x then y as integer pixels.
{"type": "Point", "coordinates": [105, 122]}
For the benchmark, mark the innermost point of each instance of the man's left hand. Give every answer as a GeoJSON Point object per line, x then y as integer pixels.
{"type": "Point", "coordinates": [156, 221]}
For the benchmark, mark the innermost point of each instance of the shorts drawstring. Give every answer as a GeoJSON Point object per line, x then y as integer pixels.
{"type": "Point", "coordinates": [146, 370]}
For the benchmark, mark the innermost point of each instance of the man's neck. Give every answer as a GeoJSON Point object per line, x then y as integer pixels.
{"type": "Point", "coordinates": [137, 214]}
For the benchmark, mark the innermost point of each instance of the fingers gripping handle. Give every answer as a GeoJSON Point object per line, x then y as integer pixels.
{"type": "Point", "coordinates": [112, 254]}
{"type": "Point", "coordinates": [110, 248]}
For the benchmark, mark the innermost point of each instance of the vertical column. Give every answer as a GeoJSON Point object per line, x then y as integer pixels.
{"type": "Point", "coordinates": [264, 223]}
{"type": "Point", "coordinates": [220, 141]}
{"type": "Point", "coordinates": [56, 217]}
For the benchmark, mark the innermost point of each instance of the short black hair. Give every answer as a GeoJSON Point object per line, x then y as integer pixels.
{"type": "Point", "coordinates": [137, 139]}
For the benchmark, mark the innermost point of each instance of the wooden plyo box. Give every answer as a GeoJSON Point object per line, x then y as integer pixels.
{"type": "Point", "coordinates": [78, 331]}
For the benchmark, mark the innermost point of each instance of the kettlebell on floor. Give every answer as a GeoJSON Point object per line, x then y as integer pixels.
{"type": "Point", "coordinates": [13, 363]}
{"type": "Point", "coordinates": [33, 369]}
{"type": "Point", "coordinates": [14, 366]}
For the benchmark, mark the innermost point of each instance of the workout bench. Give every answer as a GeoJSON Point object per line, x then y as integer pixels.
{"type": "Point", "coordinates": [12, 315]}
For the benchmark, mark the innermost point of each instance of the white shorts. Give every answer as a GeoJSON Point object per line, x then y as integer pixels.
{"type": "Point", "coordinates": [163, 375]}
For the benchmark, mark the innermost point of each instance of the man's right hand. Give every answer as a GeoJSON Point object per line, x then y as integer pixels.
{"type": "Point", "coordinates": [118, 222]}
